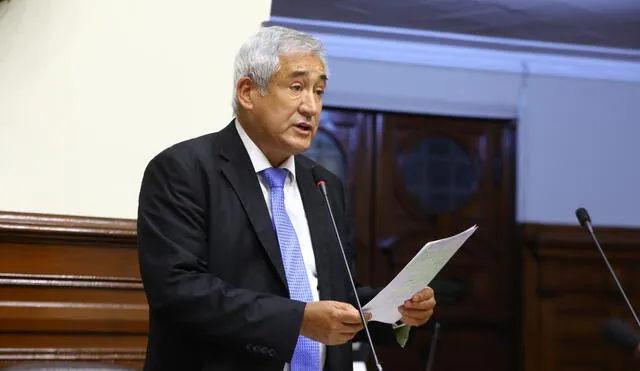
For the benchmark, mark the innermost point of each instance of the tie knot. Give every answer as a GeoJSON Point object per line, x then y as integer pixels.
{"type": "Point", "coordinates": [274, 177]}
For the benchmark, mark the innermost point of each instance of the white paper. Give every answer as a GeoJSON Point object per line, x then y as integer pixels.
{"type": "Point", "coordinates": [415, 276]}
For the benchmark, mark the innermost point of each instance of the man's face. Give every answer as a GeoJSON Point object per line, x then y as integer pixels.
{"type": "Point", "coordinates": [287, 117]}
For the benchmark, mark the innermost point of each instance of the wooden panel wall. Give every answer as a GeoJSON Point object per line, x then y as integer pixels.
{"type": "Point", "coordinates": [70, 290]}
{"type": "Point", "coordinates": [568, 294]}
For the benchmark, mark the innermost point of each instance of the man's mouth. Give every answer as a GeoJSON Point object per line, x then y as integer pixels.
{"type": "Point", "coordinates": [304, 126]}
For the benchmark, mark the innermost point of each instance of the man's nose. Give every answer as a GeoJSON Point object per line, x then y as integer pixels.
{"type": "Point", "coordinates": [309, 106]}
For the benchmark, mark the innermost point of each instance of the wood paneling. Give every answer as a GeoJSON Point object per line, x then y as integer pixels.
{"type": "Point", "coordinates": [418, 178]}
{"type": "Point", "coordinates": [436, 177]}
{"type": "Point", "coordinates": [70, 290]}
{"type": "Point", "coordinates": [568, 294]}
{"type": "Point", "coordinates": [353, 133]}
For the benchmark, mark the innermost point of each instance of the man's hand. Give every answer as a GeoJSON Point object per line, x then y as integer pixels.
{"type": "Point", "coordinates": [331, 322]}
{"type": "Point", "coordinates": [417, 310]}
{"type": "Point", "coordinates": [637, 352]}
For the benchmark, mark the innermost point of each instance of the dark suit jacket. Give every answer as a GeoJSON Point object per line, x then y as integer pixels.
{"type": "Point", "coordinates": [211, 265]}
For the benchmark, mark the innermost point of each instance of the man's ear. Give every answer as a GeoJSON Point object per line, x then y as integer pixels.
{"type": "Point", "coordinates": [243, 92]}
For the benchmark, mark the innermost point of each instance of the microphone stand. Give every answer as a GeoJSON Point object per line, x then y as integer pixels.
{"type": "Point", "coordinates": [432, 348]}
{"type": "Point", "coordinates": [606, 261]}
{"type": "Point", "coordinates": [323, 188]}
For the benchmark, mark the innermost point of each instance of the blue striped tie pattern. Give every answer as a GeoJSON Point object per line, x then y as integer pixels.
{"type": "Point", "coordinates": [306, 356]}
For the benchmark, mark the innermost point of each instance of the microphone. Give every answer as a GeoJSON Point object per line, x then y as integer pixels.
{"type": "Point", "coordinates": [585, 221]}
{"type": "Point", "coordinates": [620, 334]}
{"type": "Point", "coordinates": [322, 185]}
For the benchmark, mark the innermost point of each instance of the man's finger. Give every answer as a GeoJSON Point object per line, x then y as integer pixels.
{"type": "Point", "coordinates": [351, 326]}
{"type": "Point", "coordinates": [349, 331]}
{"type": "Point", "coordinates": [424, 294]}
{"type": "Point", "coordinates": [416, 321]}
{"type": "Point", "coordinates": [416, 314]}
{"type": "Point", "coordinates": [349, 317]}
{"type": "Point", "coordinates": [424, 304]}
{"type": "Point", "coordinates": [411, 321]}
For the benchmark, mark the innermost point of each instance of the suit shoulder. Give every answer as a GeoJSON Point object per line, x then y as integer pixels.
{"type": "Point", "coordinates": [188, 150]}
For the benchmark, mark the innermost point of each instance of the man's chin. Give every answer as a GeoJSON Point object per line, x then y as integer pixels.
{"type": "Point", "coordinates": [299, 146]}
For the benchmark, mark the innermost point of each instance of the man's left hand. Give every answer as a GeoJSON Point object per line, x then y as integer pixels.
{"type": "Point", "coordinates": [417, 310]}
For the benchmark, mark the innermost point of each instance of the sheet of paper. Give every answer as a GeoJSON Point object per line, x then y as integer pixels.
{"type": "Point", "coordinates": [415, 276]}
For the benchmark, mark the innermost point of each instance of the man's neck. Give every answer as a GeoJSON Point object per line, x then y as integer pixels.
{"type": "Point", "coordinates": [274, 159]}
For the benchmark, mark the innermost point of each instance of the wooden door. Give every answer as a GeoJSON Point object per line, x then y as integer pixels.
{"type": "Point", "coordinates": [344, 145]}
{"type": "Point", "coordinates": [418, 178]}
{"type": "Point", "coordinates": [436, 177]}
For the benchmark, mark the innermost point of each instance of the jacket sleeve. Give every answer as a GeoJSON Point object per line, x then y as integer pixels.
{"type": "Point", "coordinates": [182, 293]}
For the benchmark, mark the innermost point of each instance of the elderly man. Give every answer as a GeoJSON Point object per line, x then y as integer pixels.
{"type": "Point", "coordinates": [240, 265]}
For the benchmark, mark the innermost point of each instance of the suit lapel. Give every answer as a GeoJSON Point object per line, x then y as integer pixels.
{"type": "Point", "coordinates": [237, 168]}
{"type": "Point", "coordinates": [319, 226]}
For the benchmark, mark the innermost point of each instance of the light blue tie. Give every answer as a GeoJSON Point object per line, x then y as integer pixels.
{"type": "Point", "coordinates": [306, 356]}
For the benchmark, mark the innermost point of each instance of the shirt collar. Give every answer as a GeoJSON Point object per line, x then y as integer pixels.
{"type": "Point", "coordinates": [258, 159]}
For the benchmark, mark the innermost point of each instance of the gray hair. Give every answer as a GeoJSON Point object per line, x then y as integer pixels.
{"type": "Point", "coordinates": [259, 56]}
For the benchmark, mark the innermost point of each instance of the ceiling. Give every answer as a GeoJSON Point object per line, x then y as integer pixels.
{"type": "Point", "coordinates": [603, 23]}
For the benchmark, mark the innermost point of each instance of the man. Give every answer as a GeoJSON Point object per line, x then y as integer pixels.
{"type": "Point", "coordinates": [240, 264]}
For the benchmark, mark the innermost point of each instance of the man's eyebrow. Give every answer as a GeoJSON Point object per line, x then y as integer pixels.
{"type": "Point", "coordinates": [300, 73]}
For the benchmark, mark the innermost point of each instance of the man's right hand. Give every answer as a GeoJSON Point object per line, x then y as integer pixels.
{"type": "Point", "coordinates": [331, 322]}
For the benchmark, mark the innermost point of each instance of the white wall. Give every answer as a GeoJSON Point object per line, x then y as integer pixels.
{"type": "Point", "coordinates": [581, 147]}
{"type": "Point", "coordinates": [91, 90]}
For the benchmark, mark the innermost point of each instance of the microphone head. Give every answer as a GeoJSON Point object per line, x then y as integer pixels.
{"type": "Point", "coordinates": [317, 177]}
{"type": "Point", "coordinates": [583, 216]}
{"type": "Point", "coordinates": [621, 335]}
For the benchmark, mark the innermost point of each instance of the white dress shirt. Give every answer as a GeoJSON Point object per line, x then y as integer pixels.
{"type": "Point", "coordinates": [295, 210]}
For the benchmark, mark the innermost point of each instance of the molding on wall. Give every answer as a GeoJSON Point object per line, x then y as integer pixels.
{"type": "Point", "coordinates": [383, 100]}
{"type": "Point", "coordinates": [446, 50]}
{"type": "Point", "coordinates": [69, 281]}
{"type": "Point", "coordinates": [47, 228]}
{"type": "Point", "coordinates": [18, 355]}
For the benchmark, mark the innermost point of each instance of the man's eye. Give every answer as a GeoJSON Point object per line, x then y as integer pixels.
{"type": "Point", "coordinates": [296, 87]}
{"type": "Point", "coordinates": [320, 92]}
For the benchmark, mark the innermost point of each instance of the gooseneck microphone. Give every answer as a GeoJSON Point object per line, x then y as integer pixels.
{"type": "Point", "coordinates": [322, 185]}
{"type": "Point", "coordinates": [585, 221]}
